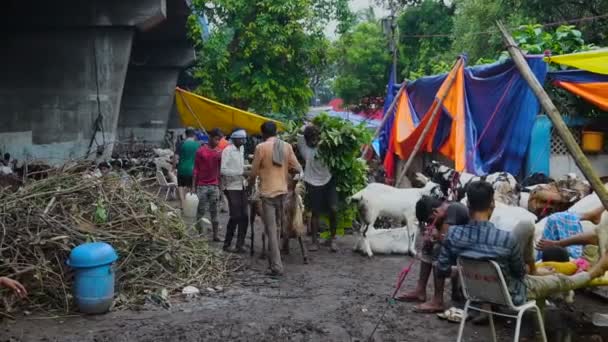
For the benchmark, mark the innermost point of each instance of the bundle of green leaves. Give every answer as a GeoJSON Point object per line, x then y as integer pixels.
{"type": "Point", "coordinates": [340, 148]}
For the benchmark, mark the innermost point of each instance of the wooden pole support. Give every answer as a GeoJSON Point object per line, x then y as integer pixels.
{"type": "Point", "coordinates": [386, 116]}
{"type": "Point", "coordinates": [579, 157]}
{"type": "Point", "coordinates": [426, 129]}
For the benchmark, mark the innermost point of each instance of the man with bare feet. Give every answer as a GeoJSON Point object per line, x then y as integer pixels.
{"type": "Point", "coordinates": [440, 216]}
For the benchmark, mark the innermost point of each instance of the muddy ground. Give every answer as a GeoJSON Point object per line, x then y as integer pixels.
{"type": "Point", "coordinates": [337, 297]}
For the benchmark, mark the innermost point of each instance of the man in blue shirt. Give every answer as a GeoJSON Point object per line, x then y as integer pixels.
{"type": "Point", "coordinates": [480, 239]}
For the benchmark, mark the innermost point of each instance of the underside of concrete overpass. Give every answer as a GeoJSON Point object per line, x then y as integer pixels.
{"type": "Point", "coordinates": [80, 74]}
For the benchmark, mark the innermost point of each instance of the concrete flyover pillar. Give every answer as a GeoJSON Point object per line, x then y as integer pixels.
{"type": "Point", "coordinates": [159, 55]}
{"type": "Point", "coordinates": [59, 59]}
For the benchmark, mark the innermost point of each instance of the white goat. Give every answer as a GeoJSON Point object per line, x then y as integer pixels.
{"type": "Point", "coordinates": [400, 204]}
{"type": "Point", "coordinates": [384, 241]}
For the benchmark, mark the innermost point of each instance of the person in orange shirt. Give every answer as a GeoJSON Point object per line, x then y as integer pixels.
{"type": "Point", "coordinates": [273, 161]}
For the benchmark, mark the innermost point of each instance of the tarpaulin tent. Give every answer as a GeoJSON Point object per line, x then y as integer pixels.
{"type": "Point", "coordinates": [485, 120]}
{"type": "Point", "coordinates": [590, 83]}
{"type": "Point", "coordinates": [197, 111]}
{"type": "Point", "coordinates": [591, 87]}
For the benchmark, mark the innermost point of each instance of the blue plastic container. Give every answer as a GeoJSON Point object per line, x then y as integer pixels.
{"type": "Point", "coordinates": [93, 276]}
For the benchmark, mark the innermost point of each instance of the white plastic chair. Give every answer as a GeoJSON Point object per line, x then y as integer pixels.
{"type": "Point", "coordinates": [170, 188]}
{"type": "Point", "coordinates": [482, 282]}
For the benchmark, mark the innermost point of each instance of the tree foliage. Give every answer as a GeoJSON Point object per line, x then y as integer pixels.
{"type": "Point", "coordinates": [362, 59]}
{"type": "Point", "coordinates": [534, 39]}
{"type": "Point", "coordinates": [559, 11]}
{"type": "Point", "coordinates": [420, 56]}
{"type": "Point", "coordinates": [264, 55]}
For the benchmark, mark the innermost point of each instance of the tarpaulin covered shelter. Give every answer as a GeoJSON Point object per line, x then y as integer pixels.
{"type": "Point", "coordinates": [591, 82]}
{"type": "Point", "coordinates": [197, 111]}
{"type": "Point", "coordinates": [484, 121]}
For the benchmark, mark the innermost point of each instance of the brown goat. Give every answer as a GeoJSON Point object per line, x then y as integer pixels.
{"type": "Point", "coordinates": [292, 225]}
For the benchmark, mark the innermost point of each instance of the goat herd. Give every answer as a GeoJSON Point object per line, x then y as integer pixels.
{"type": "Point", "coordinates": [513, 204]}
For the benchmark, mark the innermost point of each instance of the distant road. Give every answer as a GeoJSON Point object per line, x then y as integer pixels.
{"type": "Point", "coordinates": [314, 111]}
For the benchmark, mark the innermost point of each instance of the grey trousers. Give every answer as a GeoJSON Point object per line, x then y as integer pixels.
{"type": "Point", "coordinates": [273, 219]}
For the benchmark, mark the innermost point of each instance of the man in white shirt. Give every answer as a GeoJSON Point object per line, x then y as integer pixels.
{"type": "Point", "coordinates": [233, 175]}
{"type": "Point", "coordinates": [321, 194]}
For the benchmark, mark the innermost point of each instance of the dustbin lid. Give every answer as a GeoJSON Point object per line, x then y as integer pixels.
{"type": "Point", "coordinates": [91, 255]}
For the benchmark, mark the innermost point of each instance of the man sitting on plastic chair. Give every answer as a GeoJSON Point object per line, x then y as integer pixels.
{"type": "Point", "coordinates": [480, 239]}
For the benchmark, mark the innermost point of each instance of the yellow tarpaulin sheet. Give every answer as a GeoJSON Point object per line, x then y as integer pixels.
{"type": "Point", "coordinates": [595, 60]}
{"type": "Point", "coordinates": [197, 111]}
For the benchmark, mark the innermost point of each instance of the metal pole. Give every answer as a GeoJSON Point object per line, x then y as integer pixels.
{"type": "Point", "coordinates": [579, 157]}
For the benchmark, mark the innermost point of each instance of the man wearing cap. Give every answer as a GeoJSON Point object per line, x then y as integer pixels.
{"type": "Point", "coordinates": [233, 179]}
{"type": "Point", "coordinates": [206, 180]}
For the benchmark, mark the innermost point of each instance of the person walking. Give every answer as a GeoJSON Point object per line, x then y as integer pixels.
{"type": "Point", "coordinates": [233, 171]}
{"type": "Point", "coordinates": [184, 161]}
{"type": "Point", "coordinates": [321, 192]}
{"type": "Point", "coordinates": [273, 161]}
{"type": "Point", "coordinates": [206, 180]}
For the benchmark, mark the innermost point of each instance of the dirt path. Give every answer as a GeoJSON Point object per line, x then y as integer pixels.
{"type": "Point", "coordinates": [338, 297]}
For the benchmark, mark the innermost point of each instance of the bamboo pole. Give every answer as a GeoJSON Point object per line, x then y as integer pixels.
{"type": "Point", "coordinates": [579, 157]}
{"type": "Point", "coordinates": [386, 116]}
{"type": "Point", "coordinates": [426, 129]}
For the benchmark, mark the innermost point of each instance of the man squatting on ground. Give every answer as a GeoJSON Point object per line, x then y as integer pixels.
{"type": "Point", "coordinates": [206, 180]}
{"type": "Point", "coordinates": [435, 217]}
{"type": "Point", "coordinates": [480, 239]}
{"type": "Point", "coordinates": [321, 193]}
{"type": "Point", "coordinates": [233, 178]}
{"type": "Point", "coordinates": [273, 161]}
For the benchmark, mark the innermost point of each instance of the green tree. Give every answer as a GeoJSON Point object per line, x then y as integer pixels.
{"type": "Point", "coordinates": [362, 60]}
{"type": "Point", "coordinates": [534, 39]}
{"type": "Point", "coordinates": [475, 30]}
{"type": "Point", "coordinates": [264, 55]}
{"type": "Point", "coordinates": [420, 56]}
{"type": "Point", "coordinates": [551, 11]}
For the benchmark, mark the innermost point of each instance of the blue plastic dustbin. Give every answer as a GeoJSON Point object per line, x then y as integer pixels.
{"type": "Point", "coordinates": [93, 276]}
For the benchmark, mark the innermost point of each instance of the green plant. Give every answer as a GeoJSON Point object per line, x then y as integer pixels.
{"type": "Point", "coordinates": [535, 40]}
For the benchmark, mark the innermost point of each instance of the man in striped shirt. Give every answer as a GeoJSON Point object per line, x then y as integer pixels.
{"type": "Point", "coordinates": [480, 239]}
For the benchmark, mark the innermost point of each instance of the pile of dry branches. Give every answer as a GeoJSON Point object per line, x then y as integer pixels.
{"type": "Point", "coordinates": [45, 219]}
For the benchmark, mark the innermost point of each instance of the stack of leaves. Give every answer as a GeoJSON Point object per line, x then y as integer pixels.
{"type": "Point", "coordinates": [340, 148]}
{"type": "Point", "coordinates": [44, 220]}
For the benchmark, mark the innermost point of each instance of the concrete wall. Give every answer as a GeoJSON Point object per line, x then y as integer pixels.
{"type": "Point", "coordinates": [48, 89]}
{"type": "Point", "coordinates": [563, 164]}
{"type": "Point", "coordinates": [147, 103]}
{"type": "Point", "coordinates": [159, 55]}
{"type": "Point", "coordinates": [57, 55]}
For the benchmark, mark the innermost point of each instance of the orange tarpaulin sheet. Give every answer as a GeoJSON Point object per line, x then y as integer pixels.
{"type": "Point", "coordinates": [596, 93]}
{"type": "Point", "coordinates": [453, 105]}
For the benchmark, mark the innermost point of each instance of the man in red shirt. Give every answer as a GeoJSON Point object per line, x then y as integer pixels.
{"type": "Point", "coordinates": [206, 180]}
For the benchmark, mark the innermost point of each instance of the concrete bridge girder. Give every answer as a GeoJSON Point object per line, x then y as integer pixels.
{"type": "Point", "coordinates": [59, 56]}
